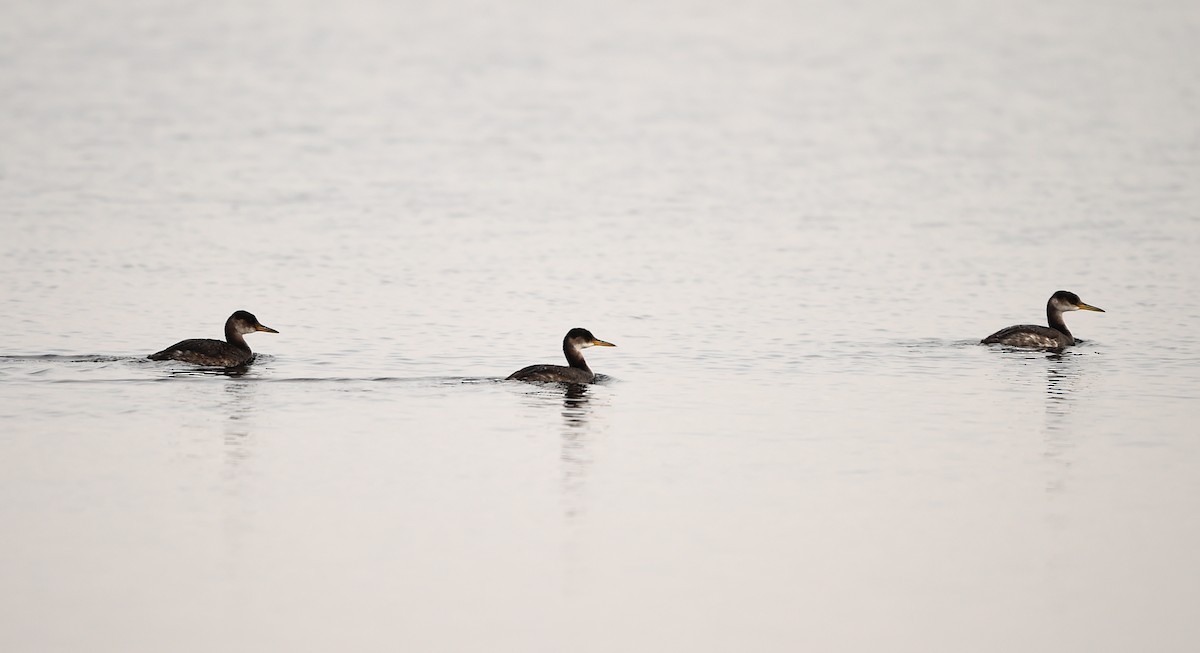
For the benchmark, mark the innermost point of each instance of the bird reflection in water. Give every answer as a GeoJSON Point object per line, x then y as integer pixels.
{"type": "Point", "coordinates": [231, 372]}
{"type": "Point", "coordinates": [575, 410]}
{"type": "Point", "coordinates": [575, 453]}
{"type": "Point", "coordinates": [577, 403]}
{"type": "Point", "coordinates": [577, 440]}
{"type": "Point", "coordinates": [1062, 377]}
{"type": "Point", "coordinates": [238, 411]}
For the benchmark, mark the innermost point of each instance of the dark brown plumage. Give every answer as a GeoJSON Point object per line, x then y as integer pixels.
{"type": "Point", "coordinates": [1054, 336]}
{"type": "Point", "coordinates": [231, 352]}
{"type": "Point", "coordinates": [578, 371]}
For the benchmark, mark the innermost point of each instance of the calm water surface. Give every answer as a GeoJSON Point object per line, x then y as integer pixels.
{"type": "Point", "coordinates": [795, 220]}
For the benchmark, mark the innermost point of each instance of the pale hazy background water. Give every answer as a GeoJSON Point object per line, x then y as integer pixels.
{"type": "Point", "coordinates": [795, 219]}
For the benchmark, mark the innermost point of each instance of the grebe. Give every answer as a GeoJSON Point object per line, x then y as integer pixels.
{"type": "Point", "coordinates": [1054, 336]}
{"type": "Point", "coordinates": [214, 353]}
{"type": "Point", "coordinates": [575, 341]}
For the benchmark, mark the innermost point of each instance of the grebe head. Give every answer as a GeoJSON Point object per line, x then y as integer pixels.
{"type": "Point", "coordinates": [578, 338]}
{"type": "Point", "coordinates": [1065, 300]}
{"type": "Point", "coordinates": [244, 322]}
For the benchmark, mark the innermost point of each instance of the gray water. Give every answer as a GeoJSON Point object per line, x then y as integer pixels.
{"type": "Point", "coordinates": [794, 219]}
